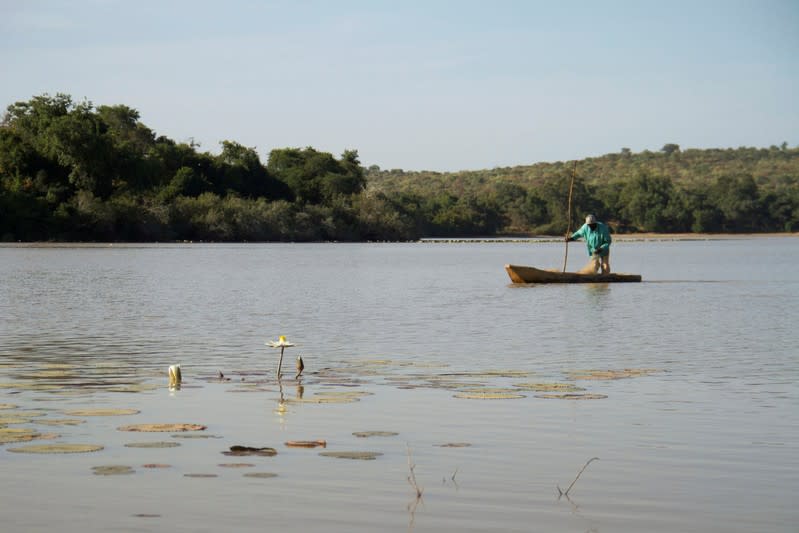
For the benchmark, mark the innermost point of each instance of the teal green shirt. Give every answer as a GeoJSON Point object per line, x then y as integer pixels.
{"type": "Point", "coordinates": [598, 239]}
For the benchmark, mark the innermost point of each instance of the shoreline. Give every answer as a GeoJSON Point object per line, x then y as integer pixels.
{"type": "Point", "coordinates": [617, 237]}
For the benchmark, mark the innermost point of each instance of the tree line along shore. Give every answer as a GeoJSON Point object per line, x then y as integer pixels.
{"type": "Point", "coordinates": [75, 172]}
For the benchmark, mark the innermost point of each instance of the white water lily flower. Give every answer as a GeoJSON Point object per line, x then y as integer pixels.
{"type": "Point", "coordinates": [280, 343]}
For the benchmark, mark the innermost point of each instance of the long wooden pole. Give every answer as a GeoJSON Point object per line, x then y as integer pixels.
{"type": "Point", "coordinates": [569, 223]}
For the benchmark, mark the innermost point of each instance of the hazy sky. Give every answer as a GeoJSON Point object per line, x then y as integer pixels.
{"type": "Point", "coordinates": [432, 84]}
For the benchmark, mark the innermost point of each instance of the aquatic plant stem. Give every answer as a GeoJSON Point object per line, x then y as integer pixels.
{"type": "Point", "coordinates": [569, 217]}
{"type": "Point", "coordinates": [412, 476]}
{"type": "Point", "coordinates": [280, 364]}
{"type": "Point", "coordinates": [566, 492]}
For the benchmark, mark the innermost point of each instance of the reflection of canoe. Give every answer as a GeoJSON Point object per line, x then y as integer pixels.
{"type": "Point", "coordinates": [526, 274]}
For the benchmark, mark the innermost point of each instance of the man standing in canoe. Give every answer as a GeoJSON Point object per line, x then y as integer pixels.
{"type": "Point", "coordinates": [597, 240]}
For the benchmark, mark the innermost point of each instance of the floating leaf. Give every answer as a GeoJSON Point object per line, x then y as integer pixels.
{"type": "Point", "coordinates": [196, 436]}
{"type": "Point", "coordinates": [200, 475]}
{"type": "Point", "coordinates": [610, 374]}
{"type": "Point", "coordinates": [101, 412]}
{"type": "Point", "coordinates": [21, 385]}
{"type": "Point", "coordinates": [7, 406]}
{"type": "Point", "coordinates": [305, 443]}
{"type": "Point", "coordinates": [488, 395]}
{"type": "Point", "coordinates": [156, 465]}
{"type": "Point", "coordinates": [14, 420]}
{"type": "Point", "coordinates": [490, 390]}
{"type": "Point", "coordinates": [152, 445]}
{"type": "Point", "coordinates": [60, 422]}
{"type": "Point", "coordinates": [546, 387]}
{"type": "Point", "coordinates": [363, 456]}
{"type": "Point", "coordinates": [142, 387]}
{"type": "Point", "coordinates": [59, 365]}
{"type": "Point", "coordinates": [366, 434]}
{"type": "Point", "coordinates": [162, 427]}
{"type": "Point", "coordinates": [572, 396]}
{"type": "Point", "coordinates": [343, 394]}
{"type": "Point", "coordinates": [7, 431]}
{"type": "Point", "coordinates": [342, 399]}
{"type": "Point", "coordinates": [454, 445]}
{"type": "Point", "coordinates": [236, 465]}
{"type": "Point", "coordinates": [58, 448]}
{"type": "Point", "coordinates": [9, 438]}
{"type": "Point", "coordinates": [491, 373]}
{"type": "Point", "coordinates": [261, 475]}
{"type": "Point", "coordinates": [28, 414]}
{"type": "Point", "coordinates": [44, 374]}
{"type": "Point", "coordinates": [237, 451]}
{"type": "Point", "coordinates": [112, 470]}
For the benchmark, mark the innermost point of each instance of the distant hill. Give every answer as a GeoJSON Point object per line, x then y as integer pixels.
{"type": "Point", "coordinates": [772, 168]}
{"type": "Point", "coordinates": [712, 190]}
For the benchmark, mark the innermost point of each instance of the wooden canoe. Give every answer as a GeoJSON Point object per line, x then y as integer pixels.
{"type": "Point", "coordinates": [526, 274]}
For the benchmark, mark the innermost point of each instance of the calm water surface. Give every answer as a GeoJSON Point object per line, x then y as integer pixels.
{"type": "Point", "coordinates": [705, 442]}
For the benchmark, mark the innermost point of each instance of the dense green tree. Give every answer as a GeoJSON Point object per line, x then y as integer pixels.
{"type": "Point", "coordinates": [317, 177]}
{"type": "Point", "coordinates": [240, 170]}
{"type": "Point", "coordinates": [737, 199]}
{"type": "Point", "coordinates": [70, 171]}
{"type": "Point", "coordinates": [650, 203]}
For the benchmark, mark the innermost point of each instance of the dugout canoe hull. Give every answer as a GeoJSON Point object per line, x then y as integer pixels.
{"type": "Point", "coordinates": [527, 274]}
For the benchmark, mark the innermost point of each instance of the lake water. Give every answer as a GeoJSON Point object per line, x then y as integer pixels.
{"type": "Point", "coordinates": [702, 435]}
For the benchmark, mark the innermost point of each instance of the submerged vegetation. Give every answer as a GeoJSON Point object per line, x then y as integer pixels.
{"type": "Point", "coordinates": [70, 171]}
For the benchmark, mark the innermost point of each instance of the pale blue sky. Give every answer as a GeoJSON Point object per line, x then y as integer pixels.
{"type": "Point", "coordinates": [434, 84]}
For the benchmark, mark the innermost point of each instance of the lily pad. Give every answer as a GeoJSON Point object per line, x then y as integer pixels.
{"type": "Point", "coordinates": [152, 445]}
{"type": "Point", "coordinates": [342, 394]}
{"type": "Point", "coordinates": [238, 451]}
{"type": "Point", "coordinates": [490, 390]}
{"type": "Point", "coordinates": [572, 396]}
{"type": "Point", "coordinates": [162, 427]}
{"type": "Point", "coordinates": [14, 420]}
{"type": "Point", "coordinates": [58, 448]}
{"type": "Point", "coordinates": [200, 475]}
{"type": "Point", "coordinates": [363, 456]}
{"type": "Point", "coordinates": [490, 373]}
{"type": "Point", "coordinates": [333, 399]}
{"type": "Point", "coordinates": [261, 475]}
{"type": "Point", "coordinates": [10, 431]}
{"type": "Point", "coordinates": [454, 445]}
{"type": "Point", "coordinates": [547, 387]}
{"type": "Point", "coordinates": [112, 470]}
{"type": "Point", "coordinates": [54, 373]}
{"type": "Point", "coordinates": [59, 365]}
{"type": "Point", "coordinates": [142, 387]}
{"type": "Point", "coordinates": [236, 465]}
{"type": "Point", "coordinates": [60, 422]}
{"type": "Point", "coordinates": [101, 412]}
{"type": "Point", "coordinates": [156, 465]}
{"type": "Point", "coordinates": [21, 385]}
{"type": "Point", "coordinates": [7, 406]}
{"type": "Point", "coordinates": [366, 434]}
{"type": "Point", "coordinates": [601, 375]}
{"type": "Point", "coordinates": [305, 443]}
{"type": "Point", "coordinates": [489, 395]}
{"type": "Point", "coordinates": [196, 436]}
{"type": "Point", "coordinates": [9, 438]}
